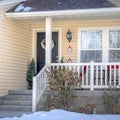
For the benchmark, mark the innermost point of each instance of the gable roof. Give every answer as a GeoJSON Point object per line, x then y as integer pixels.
{"type": "Point", "coordinates": [57, 5]}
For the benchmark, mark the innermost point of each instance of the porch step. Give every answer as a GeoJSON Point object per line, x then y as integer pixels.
{"type": "Point", "coordinates": [20, 92]}
{"type": "Point", "coordinates": [16, 103]}
{"type": "Point", "coordinates": [16, 108]}
{"type": "Point", "coordinates": [16, 97]}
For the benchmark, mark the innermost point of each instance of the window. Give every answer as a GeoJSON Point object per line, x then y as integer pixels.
{"type": "Point", "coordinates": [99, 45]}
{"type": "Point", "coordinates": [114, 46]}
{"type": "Point", "coordinates": [91, 46]}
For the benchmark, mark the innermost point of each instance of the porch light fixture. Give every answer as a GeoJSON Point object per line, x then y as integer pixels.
{"type": "Point", "coordinates": [69, 35]}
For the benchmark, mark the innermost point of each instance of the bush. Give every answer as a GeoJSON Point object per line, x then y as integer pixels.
{"type": "Point", "coordinates": [111, 101]}
{"type": "Point", "coordinates": [31, 73]}
{"type": "Point", "coordinates": [116, 109]}
{"type": "Point", "coordinates": [88, 109]}
{"type": "Point", "coordinates": [62, 83]}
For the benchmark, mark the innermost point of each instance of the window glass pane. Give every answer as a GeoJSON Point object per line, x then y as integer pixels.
{"type": "Point", "coordinates": [91, 39]}
{"type": "Point", "coordinates": [93, 55]}
{"type": "Point", "coordinates": [114, 55]}
{"type": "Point", "coordinates": [114, 39]}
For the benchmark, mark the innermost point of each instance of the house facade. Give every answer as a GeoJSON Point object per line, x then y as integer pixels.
{"type": "Point", "coordinates": [26, 30]}
{"type": "Point", "coordinates": [15, 50]}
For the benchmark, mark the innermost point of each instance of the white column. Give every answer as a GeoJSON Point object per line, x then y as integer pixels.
{"type": "Point", "coordinates": [34, 95]}
{"type": "Point", "coordinates": [48, 40]}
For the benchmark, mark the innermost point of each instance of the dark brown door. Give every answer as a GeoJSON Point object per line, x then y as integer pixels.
{"type": "Point", "coordinates": [41, 43]}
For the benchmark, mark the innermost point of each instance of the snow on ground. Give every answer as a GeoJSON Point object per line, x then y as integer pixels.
{"type": "Point", "coordinates": [63, 115]}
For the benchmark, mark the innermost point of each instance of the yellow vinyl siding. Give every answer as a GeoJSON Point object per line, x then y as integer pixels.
{"type": "Point", "coordinates": [74, 25]}
{"type": "Point", "coordinates": [16, 46]}
{"type": "Point", "coordinates": [15, 53]}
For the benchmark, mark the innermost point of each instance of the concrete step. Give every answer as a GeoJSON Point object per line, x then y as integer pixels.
{"type": "Point", "coordinates": [16, 97]}
{"type": "Point", "coordinates": [16, 102]}
{"type": "Point", "coordinates": [16, 108]}
{"type": "Point", "coordinates": [20, 92]}
{"type": "Point", "coordinates": [10, 114]}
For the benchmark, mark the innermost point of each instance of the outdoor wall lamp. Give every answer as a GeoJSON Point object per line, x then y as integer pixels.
{"type": "Point", "coordinates": [69, 35]}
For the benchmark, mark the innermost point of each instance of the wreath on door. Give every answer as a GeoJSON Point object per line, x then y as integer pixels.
{"type": "Point", "coordinates": [43, 44]}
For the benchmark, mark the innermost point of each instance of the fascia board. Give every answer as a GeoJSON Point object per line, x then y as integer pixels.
{"type": "Point", "coordinates": [108, 11]}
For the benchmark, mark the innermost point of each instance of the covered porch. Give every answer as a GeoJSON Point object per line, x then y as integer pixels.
{"type": "Point", "coordinates": [92, 76]}
{"type": "Point", "coordinates": [91, 53]}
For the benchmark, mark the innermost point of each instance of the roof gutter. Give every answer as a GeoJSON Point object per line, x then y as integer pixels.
{"type": "Point", "coordinates": [104, 11]}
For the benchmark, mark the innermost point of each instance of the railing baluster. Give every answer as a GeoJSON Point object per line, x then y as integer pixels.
{"type": "Point", "coordinates": [74, 68]}
{"type": "Point", "coordinates": [114, 80]}
{"type": "Point", "coordinates": [65, 67]}
{"type": "Point", "coordinates": [96, 75]}
{"type": "Point", "coordinates": [101, 75]}
{"type": "Point", "coordinates": [92, 76]}
{"type": "Point", "coordinates": [41, 82]}
{"type": "Point", "coordinates": [57, 67]}
{"type": "Point", "coordinates": [78, 70]}
{"type": "Point", "coordinates": [61, 66]}
{"type": "Point", "coordinates": [106, 75]}
{"type": "Point", "coordinates": [53, 67]}
{"type": "Point", "coordinates": [86, 75]}
{"type": "Point", "coordinates": [70, 68]}
{"type": "Point", "coordinates": [110, 76]}
{"type": "Point", "coordinates": [82, 75]}
{"type": "Point", "coordinates": [119, 75]}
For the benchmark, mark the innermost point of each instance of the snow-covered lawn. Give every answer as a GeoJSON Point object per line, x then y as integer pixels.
{"type": "Point", "coordinates": [63, 115]}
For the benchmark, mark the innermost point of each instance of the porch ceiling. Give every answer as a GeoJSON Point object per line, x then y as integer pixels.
{"type": "Point", "coordinates": [89, 14]}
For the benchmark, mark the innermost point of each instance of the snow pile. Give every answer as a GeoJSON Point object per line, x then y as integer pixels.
{"type": "Point", "coordinates": [21, 7]}
{"type": "Point", "coordinates": [63, 115]}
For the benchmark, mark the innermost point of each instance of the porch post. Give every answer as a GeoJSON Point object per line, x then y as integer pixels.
{"type": "Point", "coordinates": [34, 95]}
{"type": "Point", "coordinates": [48, 40]}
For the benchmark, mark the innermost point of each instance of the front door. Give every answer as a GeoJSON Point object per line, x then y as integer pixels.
{"type": "Point", "coordinates": [41, 43]}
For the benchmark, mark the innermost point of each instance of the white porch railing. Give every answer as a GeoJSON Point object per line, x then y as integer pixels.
{"type": "Point", "coordinates": [39, 85]}
{"type": "Point", "coordinates": [95, 75]}
{"type": "Point", "coordinates": [92, 76]}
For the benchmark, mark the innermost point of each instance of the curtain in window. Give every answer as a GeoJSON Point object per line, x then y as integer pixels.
{"type": "Point", "coordinates": [91, 40]}
{"type": "Point", "coordinates": [114, 46]}
{"type": "Point", "coordinates": [91, 45]}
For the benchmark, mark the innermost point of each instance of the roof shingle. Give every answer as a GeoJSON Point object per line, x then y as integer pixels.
{"type": "Point", "coordinates": [53, 5]}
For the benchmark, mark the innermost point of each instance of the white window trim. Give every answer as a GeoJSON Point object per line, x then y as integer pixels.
{"type": "Point", "coordinates": [34, 42]}
{"type": "Point", "coordinates": [105, 41]}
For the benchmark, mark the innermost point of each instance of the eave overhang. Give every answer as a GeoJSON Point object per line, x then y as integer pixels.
{"type": "Point", "coordinates": [101, 12]}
